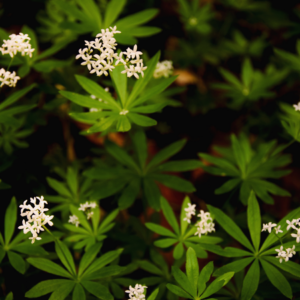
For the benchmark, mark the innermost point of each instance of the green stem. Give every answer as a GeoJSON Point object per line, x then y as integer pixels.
{"type": "Point", "coordinates": [10, 63]}
{"type": "Point", "coordinates": [57, 241]}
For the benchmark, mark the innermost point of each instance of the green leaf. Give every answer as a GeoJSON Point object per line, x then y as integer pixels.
{"type": "Point", "coordinates": [141, 120]}
{"type": "Point", "coordinates": [204, 277]}
{"type": "Point", "coordinates": [143, 31]}
{"type": "Point", "coordinates": [109, 218]}
{"type": "Point", "coordinates": [289, 266]}
{"type": "Point", "coordinates": [178, 251]}
{"type": "Point", "coordinates": [153, 294]}
{"type": "Point", "coordinates": [88, 257]}
{"type": "Point", "coordinates": [228, 186]}
{"type": "Point", "coordinates": [166, 153]}
{"type": "Point", "coordinates": [182, 280]}
{"type": "Point", "coordinates": [230, 227]}
{"type": "Point", "coordinates": [9, 296]}
{"type": "Point", "coordinates": [149, 267]}
{"type": "Point", "coordinates": [169, 214]}
{"type": "Point", "coordinates": [277, 279]}
{"type": "Point", "coordinates": [72, 180]}
{"type": "Point", "coordinates": [102, 261]}
{"type": "Point", "coordinates": [97, 290]}
{"type": "Point", "coordinates": [247, 73]}
{"type": "Point", "coordinates": [65, 256]}
{"type": "Point", "coordinates": [180, 166]}
{"type": "Point", "coordinates": [59, 187]}
{"type": "Point", "coordinates": [251, 281]}
{"type": "Point", "coordinates": [120, 82]}
{"type": "Point", "coordinates": [10, 220]}
{"type": "Point", "coordinates": [231, 79]}
{"type": "Point", "coordinates": [113, 10]}
{"type": "Point", "coordinates": [254, 220]}
{"type": "Point", "coordinates": [129, 194]}
{"type": "Point", "coordinates": [239, 154]}
{"type": "Point", "coordinates": [45, 287]}
{"type": "Point", "coordinates": [105, 272]}
{"type": "Point", "coordinates": [16, 96]}
{"type": "Point", "coordinates": [94, 89]}
{"type": "Point", "coordinates": [62, 291]}
{"type": "Point", "coordinates": [2, 253]}
{"type": "Point", "coordinates": [16, 261]}
{"type": "Point", "coordinates": [214, 287]}
{"type": "Point", "coordinates": [235, 266]}
{"type": "Point", "coordinates": [160, 230]}
{"type": "Point", "coordinates": [136, 19]}
{"type": "Point", "coordinates": [148, 109]}
{"type": "Point", "coordinates": [175, 182]}
{"type": "Point", "coordinates": [121, 156]}
{"type": "Point", "coordinates": [85, 101]}
{"type": "Point", "coordinates": [184, 224]}
{"type": "Point", "coordinates": [123, 124]}
{"type": "Point", "coordinates": [28, 249]}
{"type": "Point", "coordinates": [49, 266]}
{"type": "Point", "coordinates": [192, 269]}
{"type": "Point", "coordinates": [152, 92]}
{"type": "Point", "coordinates": [152, 193]}
{"type": "Point", "coordinates": [143, 81]}
{"type": "Point", "coordinates": [140, 143]}
{"type": "Point", "coordinates": [164, 243]}
{"type": "Point", "coordinates": [92, 12]}
{"type": "Point", "coordinates": [178, 291]}
{"type": "Point", "coordinates": [78, 292]}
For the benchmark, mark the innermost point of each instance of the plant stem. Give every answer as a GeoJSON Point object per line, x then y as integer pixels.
{"type": "Point", "coordinates": [10, 63]}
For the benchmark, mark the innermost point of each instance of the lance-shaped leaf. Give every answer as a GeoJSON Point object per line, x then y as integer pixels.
{"type": "Point", "coordinates": [230, 227]}
{"type": "Point", "coordinates": [251, 281]}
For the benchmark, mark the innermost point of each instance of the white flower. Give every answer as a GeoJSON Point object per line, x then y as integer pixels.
{"type": "Point", "coordinates": [268, 226]}
{"type": "Point", "coordinates": [204, 215]}
{"type": "Point", "coordinates": [281, 254]}
{"type": "Point", "coordinates": [205, 225]}
{"type": "Point", "coordinates": [277, 229]}
{"type": "Point", "coordinates": [8, 78]}
{"type": "Point", "coordinates": [89, 215]}
{"type": "Point", "coordinates": [297, 106]}
{"type": "Point", "coordinates": [74, 220]}
{"type": "Point", "coordinates": [163, 69]}
{"type": "Point", "coordinates": [291, 224]}
{"type": "Point", "coordinates": [17, 43]}
{"type": "Point", "coordinates": [103, 62]}
{"type": "Point", "coordinates": [124, 112]}
{"type": "Point", "coordinates": [36, 218]}
{"type": "Point", "coordinates": [136, 293]}
{"type": "Point", "coordinates": [190, 211]}
{"type": "Point", "coordinates": [296, 235]}
{"type": "Point", "coordinates": [132, 53]}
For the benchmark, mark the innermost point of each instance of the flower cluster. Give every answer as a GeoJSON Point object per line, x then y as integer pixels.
{"type": "Point", "coordinates": [8, 78]}
{"type": "Point", "coordinates": [36, 218]}
{"type": "Point", "coordinates": [163, 69]}
{"type": "Point", "coordinates": [136, 293]}
{"type": "Point", "coordinates": [205, 225]}
{"type": "Point", "coordinates": [285, 253]}
{"type": "Point", "coordinates": [87, 208]}
{"type": "Point", "coordinates": [74, 220]}
{"type": "Point", "coordinates": [297, 106]}
{"type": "Point", "coordinates": [101, 63]}
{"type": "Point", "coordinates": [190, 211]}
{"type": "Point", "coordinates": [17, 43]}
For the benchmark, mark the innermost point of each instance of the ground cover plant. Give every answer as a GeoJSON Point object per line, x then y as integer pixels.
{"type": "Point", "coordinates": [149, 150]}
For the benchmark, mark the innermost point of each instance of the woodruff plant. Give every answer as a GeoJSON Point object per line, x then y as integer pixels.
{"type": "Point", "coordinates": [109, 240]}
